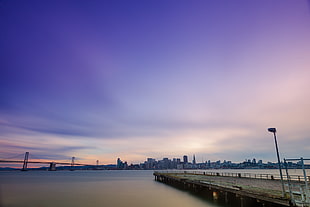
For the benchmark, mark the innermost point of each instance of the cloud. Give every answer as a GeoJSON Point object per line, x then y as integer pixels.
{"type": "Point", "coordinates": [124, 87]}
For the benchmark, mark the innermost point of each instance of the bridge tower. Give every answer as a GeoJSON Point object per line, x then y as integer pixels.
{"type": "Point", "coordinates": [52, 166]}
{"type": "Point", "coordinates": [25, 161]}
{"type": "Point", "coordinates": [72, 163]}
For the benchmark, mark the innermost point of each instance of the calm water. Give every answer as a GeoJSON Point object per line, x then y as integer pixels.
{"type": "Point", "coordinates": [91, 189]}
{"type": "Point", "coordinates": [95, 189]}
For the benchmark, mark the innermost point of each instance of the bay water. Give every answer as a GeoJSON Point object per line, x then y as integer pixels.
{"type": "Point", "coordinates": [96, 188]}
{"type": "Point", "coordinates": [91, 189]}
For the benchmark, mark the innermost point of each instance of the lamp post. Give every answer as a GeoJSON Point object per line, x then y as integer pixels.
{"type": "Point", "coordinates": [273, 130]}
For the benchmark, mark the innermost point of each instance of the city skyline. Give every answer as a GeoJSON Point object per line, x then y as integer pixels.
{"type": "Point", "coordinates": [154, 164]}
{"type": "Point", "coordinates": [177, 163]}
{"type": "Point", "coordinates": [135, 79]}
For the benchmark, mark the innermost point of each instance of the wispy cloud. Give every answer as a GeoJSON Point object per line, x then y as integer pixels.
{"type": "Point", "coordinates": [167, 81]}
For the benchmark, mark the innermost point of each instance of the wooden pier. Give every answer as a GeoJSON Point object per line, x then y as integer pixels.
{"type": "Point", "coordinates": [231, 191]}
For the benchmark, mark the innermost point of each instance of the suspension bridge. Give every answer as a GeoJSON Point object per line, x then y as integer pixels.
{"type": "Point", "coordinates": [52, 164]}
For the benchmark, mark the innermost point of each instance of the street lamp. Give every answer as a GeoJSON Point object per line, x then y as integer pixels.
{"type": "Point", "coordinates": [273, 130]}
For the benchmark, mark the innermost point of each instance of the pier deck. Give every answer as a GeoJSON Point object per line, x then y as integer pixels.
{"type": "Point", "coordinates": [247, 191]}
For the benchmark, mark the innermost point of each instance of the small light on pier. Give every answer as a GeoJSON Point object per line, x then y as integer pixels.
{"type": "Point", "coordinates": [215, 195]}
{"type": "Point", "coordinates": [273, 130]}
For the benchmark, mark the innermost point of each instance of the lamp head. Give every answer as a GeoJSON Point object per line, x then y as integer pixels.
{"type": "Point", "coordinates": [273, 130]}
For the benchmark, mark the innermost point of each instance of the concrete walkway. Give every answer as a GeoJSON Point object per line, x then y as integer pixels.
{"type": "Point", "coordinates": [270, 188]}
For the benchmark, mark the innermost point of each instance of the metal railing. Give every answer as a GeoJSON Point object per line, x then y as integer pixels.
{"type": "Point", "coordinates": [239, 175]}
{"type": "Point", "coordinates": [299, 197]}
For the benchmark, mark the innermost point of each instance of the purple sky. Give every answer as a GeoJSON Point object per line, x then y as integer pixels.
{"type": "Point", "coordinates": [137, 79]}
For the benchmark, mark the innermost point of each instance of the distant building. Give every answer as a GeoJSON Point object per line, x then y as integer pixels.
{"type": "Point", "coordinates": [209, 163]}
{"type": "Point", "coordinates": [120, 164]}
{"type": "Point", "coordinates": [185, 159]}
{"type": "Point", "coordinates": [165, 163]}
{"type": "Point", "coordinates": [150, 163]}
{"type": "Point", "coordinates": [194, 160]}
{"type": "Point", "coordinates": [176, 163]}
{"type": "Point", "coordinates": [180, 166]}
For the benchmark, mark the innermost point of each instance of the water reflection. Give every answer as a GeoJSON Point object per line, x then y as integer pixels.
{"type": "Point", "coordinates": [93, 189]}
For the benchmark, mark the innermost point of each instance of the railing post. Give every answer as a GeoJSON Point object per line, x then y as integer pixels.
{"type": "Point", "coordinates": [306, 183]}
{"type": "Point", "coordinates": [289, 183]}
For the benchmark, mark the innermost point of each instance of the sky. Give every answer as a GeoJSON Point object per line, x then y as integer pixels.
{"type": "Point", "coordinates": [135, 79]}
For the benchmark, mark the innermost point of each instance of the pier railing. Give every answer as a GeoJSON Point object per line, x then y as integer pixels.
{"type": "Point", "coordinates": [239, 175]}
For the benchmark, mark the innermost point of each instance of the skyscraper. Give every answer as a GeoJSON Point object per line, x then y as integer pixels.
{"type": "Point", "coordinates": [185, 159]}
{"type": "Point", "coordinates": [119, 163]}
{"type": "Point", "coordinates": [194, 160]}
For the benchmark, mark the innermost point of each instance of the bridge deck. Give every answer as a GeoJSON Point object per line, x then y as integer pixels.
{"type": "Point", "coordinates": [44, 162]}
